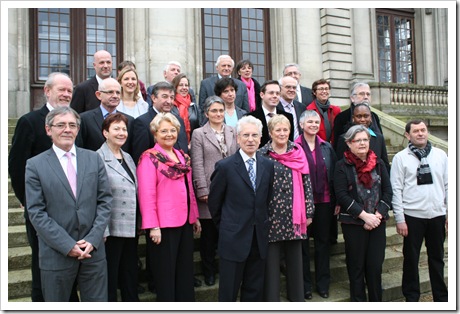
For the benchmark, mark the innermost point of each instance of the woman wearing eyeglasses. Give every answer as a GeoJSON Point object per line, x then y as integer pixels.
{"type": "Point", "coordinates": [362, 115]}
{"type": "Point", "coordinates": [363, 191]}
{"type": "Point", "coordinates": [169, 211]}
{"type": "Point", "coordinates": [321, 92]}
{"type": "Point", "coordinates": [210, 143]}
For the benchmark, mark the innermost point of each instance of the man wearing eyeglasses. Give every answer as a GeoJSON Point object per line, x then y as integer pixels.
{"type": "Point", "coordinates": [29, 140]}
{"type": "Point", "coordinates": [289, 104]}
{"type": "Point", "coordinates": [68, 202]}
{"type": "Point", "coordinates": [84, 96]}
{"type": "Point", "coordinates": [90, 135]}
{"type": "Point", "coordinates": [303, 94]}
{"type": "Point", "coordinates": [359, 93]}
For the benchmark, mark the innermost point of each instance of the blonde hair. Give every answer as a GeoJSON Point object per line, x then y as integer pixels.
{"type": "Point", "coordinates": [276, 119]}
{"type": "Point", "coordinates": [120, 77]}
{"type": "Point", "coordinates": [163, 116]}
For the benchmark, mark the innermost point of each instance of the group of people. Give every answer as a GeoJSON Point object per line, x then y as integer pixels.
{"type": "Point", "coordinates": [255, 170]}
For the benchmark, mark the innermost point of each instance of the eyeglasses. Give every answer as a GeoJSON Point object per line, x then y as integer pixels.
{"type": "Point", "coordinates": [217, 110]}
{"type": "Point", "coordinates": [362, 94]}
{"type": "Point", "coordinates": [62, 126]}
{"type": "Point", "coordinates": [323, 89]}
{"type": "Point", "coordinates": [290, 87]}
{"type": "Point", "coordinates": [111, 92]}
{"type": "Point", "coordinates": [363, 140]}
{"type": "Point", "coordinates": [165, 132]}
{"type": "Point", "coordinates": [247, 136]}
{"type": "Point", "coordinates": [292, 73]}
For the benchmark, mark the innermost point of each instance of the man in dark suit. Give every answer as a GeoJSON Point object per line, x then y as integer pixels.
{"type": "Point", "coordinates": [162, 101]}
{"type": "Point", "coordinates": [303, 93]}
{"type": "Point", "coordinates": [270, 94]}
{"type": "Point", "coordinates": [84, 96]}
{"type": "Point", "coordinates": [224, 67]}
{"type": "Point", "coordinates": [170, 71]}
{"type": "Point", "coordinates": [68, 201]}
{"type": "Point", "coordinates": [29, 140]}
{"type": "Point", "coordinates": [90, 135]}
{"type": "Point", "coordinates": [241, 188]}
{"type": "Point", "coordinates": [289, 104]}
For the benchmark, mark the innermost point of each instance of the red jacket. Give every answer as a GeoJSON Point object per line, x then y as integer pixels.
{"type": "Point", "coordinates": [332, 112]}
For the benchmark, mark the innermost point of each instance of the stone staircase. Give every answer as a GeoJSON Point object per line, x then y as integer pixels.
{"type": "Point", "coordinates": [19, 263]}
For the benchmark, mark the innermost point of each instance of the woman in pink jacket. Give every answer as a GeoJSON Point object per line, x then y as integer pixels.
{"type": "Point", "coordinates": [169, 211]}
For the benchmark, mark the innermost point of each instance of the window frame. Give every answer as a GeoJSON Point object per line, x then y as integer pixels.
{"type": "Point", "coordinates": [235, 49]}
{"type": "Point", "coordinates": [77, 54]}
{"type": "Point", "coordinates": [398, 13]}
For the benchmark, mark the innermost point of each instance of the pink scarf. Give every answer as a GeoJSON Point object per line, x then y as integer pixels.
{"type": "Point", "coordinates": [251, 93]}
{"type": "Point", "coordinates": [297, 162]}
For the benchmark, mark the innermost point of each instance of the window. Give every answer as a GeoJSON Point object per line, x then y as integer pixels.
{"type": "Point", "coordinates": [396, 47]}
{"type": "Point", "coordinates": [60, 45]}
{"type": "Point", "coordinates": [240, 33]}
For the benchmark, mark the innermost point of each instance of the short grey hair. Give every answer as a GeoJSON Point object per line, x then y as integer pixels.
{"type": "Point", "coordinates": [224, 57]}
{"type": "Point", "coordinates": [212, 100]}
{"type": "Point", "coordinates": [355, 129]}
{"type": "Point", "coordinates": [166, 68]}
{"type": "Point", "coordinates": [291, 65]}
{"type": "Point", "coordinates": [248, 120]}
{"type": "Point", "coordinates": [60, 111]}
{"type": "Point", "coordinates": [355, 86]}
{"type": "Point", "coordinates": [280, 81]}
{"type": "Point", "coordinates": [52, 76]}
{"type": "Point", "coordinates": [308, 114]}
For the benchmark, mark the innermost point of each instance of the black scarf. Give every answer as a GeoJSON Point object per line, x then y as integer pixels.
{"type": "Point", "coordinates": [324, 110]}
{"type": "Point", "coordinates": [423, 170]}
{"type": "Point", "coordinates": [317, 176]}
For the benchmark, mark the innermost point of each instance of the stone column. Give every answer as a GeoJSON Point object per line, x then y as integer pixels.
{"type": "Point", "coordinates": [18, 62]}
{"type": "Point", "coordinates": [363, 41]}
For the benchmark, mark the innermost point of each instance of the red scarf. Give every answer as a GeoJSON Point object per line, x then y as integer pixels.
{"type": "Point", "coordinates": [297, 162]}
{"type": "Point", "coordinates": [363, 168]}
{"type": "Point", "coordinates": [251, 93]}
{"type": "Point", "coordinates": [183, 103]}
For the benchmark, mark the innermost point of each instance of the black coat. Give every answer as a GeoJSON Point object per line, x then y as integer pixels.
{"type": "Point", "coordinates": [84, 96]}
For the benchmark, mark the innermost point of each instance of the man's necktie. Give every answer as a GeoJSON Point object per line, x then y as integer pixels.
{"type": "Point", "coordinates": [252, 174]}
{"type": "Point", "coordinates": [71, 174]}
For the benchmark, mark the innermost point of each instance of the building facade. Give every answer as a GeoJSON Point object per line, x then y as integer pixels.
{"type": "Point", "coordinates": [397, 50]}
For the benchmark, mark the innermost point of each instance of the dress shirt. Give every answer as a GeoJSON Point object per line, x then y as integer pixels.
{"type": "Point", "coordinates": [299, 93]}
{"type": "Point", "coordinates": [245, 159]}
{"type": "Point", "coordinates": [63, 158]}
{"type": "Point", "coordinates": [289, 107]}
{"type": "Point", "coordinates": [105, 112]}
{"type": "Point", "coordinates": [266, 112]}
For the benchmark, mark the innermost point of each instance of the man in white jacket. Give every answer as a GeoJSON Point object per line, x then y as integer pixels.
{"type": "Point", "coordinates": [419, 181]}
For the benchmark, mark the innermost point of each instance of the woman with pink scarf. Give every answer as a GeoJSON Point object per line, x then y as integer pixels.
{"type": "Point", "coordinates": [290, 211]}
{"type": "Point", "coordinates": [244, 70]}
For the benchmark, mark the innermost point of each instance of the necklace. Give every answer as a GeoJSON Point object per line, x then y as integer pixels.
{"type": "Point", "coordinates": [120, 161]}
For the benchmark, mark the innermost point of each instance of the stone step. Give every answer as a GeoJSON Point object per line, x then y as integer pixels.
{"type": "Point", "coordinates": [338, 292]}
{"type": "Point", "coordinates": [17, 236]}
{"type": "Point", "coordinates": [16, 217]}
{"type": "Point", "coordinates": [13, 202]}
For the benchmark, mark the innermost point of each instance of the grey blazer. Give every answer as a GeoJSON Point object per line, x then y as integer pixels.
{"type": "Point", "coordinates": [122, 222]}
{"type": "Point", "coordinates": [59, 218]}
{"type": "Point", "coordinates": [205, 152]}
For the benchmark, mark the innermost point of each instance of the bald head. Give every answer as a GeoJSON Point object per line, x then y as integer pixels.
{"type": "Point", "coordinates": [103, 64]}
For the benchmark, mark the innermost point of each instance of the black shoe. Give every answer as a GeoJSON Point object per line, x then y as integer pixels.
{"type": "Point", "coordinates": [197, 282]}
{"type": "Point", "coordinates": [308, 295]}
{"type": "Point", "coordinates": [209, 280]}
{"type": "Point", "coordinates": [323, 294]}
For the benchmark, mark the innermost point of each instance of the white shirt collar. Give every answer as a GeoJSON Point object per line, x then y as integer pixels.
{"type": "Point", "coordinates": [246, 157]}
{"type": "Point", "coordinates": [60, 153]}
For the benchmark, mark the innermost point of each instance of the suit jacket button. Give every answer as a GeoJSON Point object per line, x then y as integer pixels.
{"type": "Point", "coordinates": [124, 203]}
